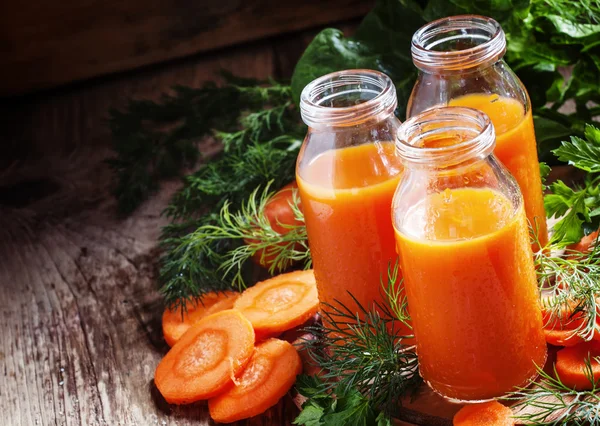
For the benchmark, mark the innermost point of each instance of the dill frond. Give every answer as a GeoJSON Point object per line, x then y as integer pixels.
{"type": "Point", "coordinates": [570, 281]}
{"type": "Point", "coordinates": [155, 140]}
{"type": "Point", "coordinates": [549, 401]}
{"type": "Point", "coordinates": [213, 256]}
{"type": "Point", "coordinates": [356, 351]}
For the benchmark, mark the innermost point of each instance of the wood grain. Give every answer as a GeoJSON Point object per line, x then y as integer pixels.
{"type": "Point", "coordinates": [79, 307]}
{"type": "Point", "coordinates": [45, 44]}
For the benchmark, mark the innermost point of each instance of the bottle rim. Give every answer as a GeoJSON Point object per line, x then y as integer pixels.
{"type": "Point", "coordinates": [473, 131]}
{"type": "Point", "coordinates": [319, 98]}
{"type": "Point", "coordinates": [485, 39]}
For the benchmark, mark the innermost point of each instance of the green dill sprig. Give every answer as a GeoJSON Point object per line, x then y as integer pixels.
{"type": "Point", "coordinates": [570, 282]}
{"type": "Point", "coordinates": [264, 149]}
{"type": "Point", "coordinates": [243, 234]}
{"type": "Point", "coordinates": [585, 12]}
{"type": "Point", "coordinates": [356, 349]}
{"type": "Point", "coordinates": [155, 140]}
{"type": "Point", "coordinates": [549, 401]}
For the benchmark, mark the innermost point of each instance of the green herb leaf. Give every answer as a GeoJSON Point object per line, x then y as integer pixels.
{"type": "Point", "coordinates": [340, 406]}
{"type": "Point", "coordinates": [583, 154]}
{"type": "Point", "coordinates": [311, 415]}
{"type": "Point", "coordinates": [544, 172]}
{"type": "Point", "coordinates": [381, 42]}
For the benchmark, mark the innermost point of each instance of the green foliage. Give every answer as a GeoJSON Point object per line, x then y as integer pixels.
{"type": "Point", "coordinates": [542, 35]}
{"type": "Point", "coordinates": [381, 42]}
{"type": "Point", "coordinates": [347, 408]}
{"type": "Point", "coordinates": [571, 280]}
{"type": "Point", "coordinates": [155, 140]}
{"type": "Point", "coordinates": [364, 360]}
{"type": "Point", "coordinates": [581, 205]}
{"type": "Point", "coordinates": [196, 264]}
{"type": "Point", "coordinates": [551, 402]}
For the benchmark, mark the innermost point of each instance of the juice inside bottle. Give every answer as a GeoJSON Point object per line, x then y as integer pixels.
{"type": "Point", "coordinates": [472, 292]}
{"type": "Point", "coordinates": [516, 148]}
{"type": "Point", "coordinates": [346, 198]}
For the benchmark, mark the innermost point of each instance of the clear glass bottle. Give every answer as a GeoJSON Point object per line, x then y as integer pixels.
{"type": "Point", "coordinates": [463, 240]}
{"type": "Point", "coordinates": [347, 172]}
{"type": "Point", "coordinates": [460, 63]}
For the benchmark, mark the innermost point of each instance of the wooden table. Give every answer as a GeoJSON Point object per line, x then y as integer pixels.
{"type": "Point", "coordinates": [79, 308]}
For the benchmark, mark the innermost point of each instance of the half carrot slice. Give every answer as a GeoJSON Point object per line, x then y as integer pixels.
{"type": "Point", "coordinates": [270, 374]}
{"type": "Point", "coordinates": [280, 303]}
{"type": "Point", "coordinates": [174, 325]}
{"type": "Point", "coordinates": [487, 414]}
{"type": "Point", "coordinates": [571, 365]}
{"type": "Point", "coordinates": [206, 358]}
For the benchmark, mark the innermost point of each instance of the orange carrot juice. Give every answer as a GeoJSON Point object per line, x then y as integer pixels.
{"type": "Point", "coordinates": [516, 149]}
{"type": "Point", "coordinates": [472, 293]}
{"type": "Point", "coordinates": [346, 197]}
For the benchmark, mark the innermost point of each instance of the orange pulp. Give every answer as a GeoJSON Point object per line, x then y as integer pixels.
{"type": "Point", "coordinates": [471, 286]}
{"type": "Point", "coordinates": [516, 149]}
{"type": "Point", "coordinates": [346, 197]}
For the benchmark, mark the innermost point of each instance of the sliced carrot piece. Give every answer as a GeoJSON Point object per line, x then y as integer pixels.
{"type": "Point", "coordinates": [206, 358]}
{"type": "Point", "coordinates": [174, 325]}
{"type": "Point", "coordinates": [487, 414]}
{"type": "Point", "coordinates": [280, 303]}
{"type": "Point", "coordinates": [270, 374]}
{"type": "Point", "coordinates": [560, 331]}
{"type": "Point", "coordinates": [585, 245]}
{"type": "Point", "coordinates": [570, 365]}
{"type": "Point", "coordinates": [565, 338]}
{"type": "Point", "coordinates": [278, 212]}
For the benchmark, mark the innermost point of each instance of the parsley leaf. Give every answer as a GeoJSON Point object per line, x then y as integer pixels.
{"type": "Point", "coordinates": [348, 408]}
{"type": "Point", "coordinates": [580, 153]}
{"type": "Point", "coordinates": [576, 207]}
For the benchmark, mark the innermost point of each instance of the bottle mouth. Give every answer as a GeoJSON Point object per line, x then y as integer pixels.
{"type": "Point", "coordinates": [445, 137]}
{"type": "Point", "coordinates": [348, 98]}
{"type": "Point", "coordinates": [456, 43]}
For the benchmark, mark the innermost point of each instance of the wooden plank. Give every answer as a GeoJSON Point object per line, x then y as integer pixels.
{"type": "Point", "coordinates": [45, 44]}
{"type": "Point", "coordinates": [79, 307]}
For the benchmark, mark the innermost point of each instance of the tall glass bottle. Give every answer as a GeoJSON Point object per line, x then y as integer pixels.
{"type": "Point", "coordinates": [465, 252]}
{"type": "Point", "coordinates": [460, 63]}
{"type": "Point", "coordinates": [347, 172]}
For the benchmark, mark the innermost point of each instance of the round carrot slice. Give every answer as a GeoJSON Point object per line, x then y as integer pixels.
{"type": "Point", "coordinates": [280, 303]}
{"type": "Point", "coordinates": [206, 358]}
{"type": "Point", "coordinates": [560, 331]}
{"type": "Point", "coordinates": [269, 375]}
{"type": "Point", "coordinates": [571, 368]}
{"type": "Point", "coordinates": [487, 414]}
{"type": "Point", "coordinates": [174, 325]}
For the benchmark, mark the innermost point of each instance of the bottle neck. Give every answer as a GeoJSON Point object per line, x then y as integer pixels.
{"type": "Point", "coordinates": [348, 98]}
{"type": "Point", "coordinates": [445, 137]}
{"type": "Point", "coordinates": [458, 44]}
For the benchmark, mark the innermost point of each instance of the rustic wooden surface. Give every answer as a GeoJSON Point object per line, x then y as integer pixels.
{"type": "Point", "coordinates": [79, 307]}
{"type": "Point", "coordinates": [45, 43]}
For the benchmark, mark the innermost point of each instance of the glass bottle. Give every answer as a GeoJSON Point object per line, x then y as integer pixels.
{"type": "Point", "coordinates": [466, 257]}
{"type": "Point", "coordinates": [460, 63]}
{"type": "Point", "coordinates": [347, 172]}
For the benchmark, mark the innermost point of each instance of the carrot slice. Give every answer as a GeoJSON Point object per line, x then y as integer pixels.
{"type": "Point", "coordinates": [279, 213]}
{"type": "Point", "coordinates": [270, 374]}
{"type": "Point", "coordinates": [585, 245]}
{"type": "Point", "coordinates": [280, 303]}
{"type": "Point", "coordinates": [174, 325]}
{"type": "Point", "coordinates": [560, 331]}
{"type": "Point", "coordinates": [206, 358]}
{"type": "Point", "coordinates": [487, 414]}
{"type": "Point", "coordinates": [570, 365]}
